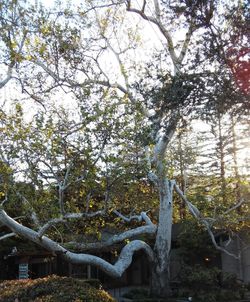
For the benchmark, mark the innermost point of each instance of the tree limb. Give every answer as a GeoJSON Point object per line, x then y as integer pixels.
{"type": "Point", "coordinates": [139, 218]}
{"type": "Point", "coordinates": [8, 77]}
{"type": "Point", "coordinates": [196, 213]}
{"type": "Point", "coordinates": [33, 215]}
{"type": "Point", "coordinates": [85, 82]}
{"type": "Point", "coordinates": [163, 30]}
{"type": "Point", "coordinates": [116, 54]}
{"type": "Point", "coordinates": [141, 12]}
{"type": "Point", "coordinates": [115, 270]}
{"type": "Point", "coordinates": [64, 218]}
{"type": "Point", "coordinates": [163, 138]}
{"type": "Point", "coordinates": [6, 236]}
{"type": "Point", "coordinates": [115, 239]}
{"type": "Point", "coordinates": [157, 10]}
{"type": "Point", "coordinates": [186, 42]}
{"type": "Point", "coordinates": [234, 207]}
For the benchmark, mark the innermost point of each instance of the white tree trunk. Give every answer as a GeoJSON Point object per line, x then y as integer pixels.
{"type": "Point", "coordinates": [160, 282]}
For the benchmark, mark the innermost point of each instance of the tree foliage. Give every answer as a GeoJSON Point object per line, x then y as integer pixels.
{"type": "Point", "coordinates": [95, 143]}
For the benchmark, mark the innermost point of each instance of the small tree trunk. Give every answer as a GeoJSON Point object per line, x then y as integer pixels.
{"type": "Point", "coordinates": [236, 167]}
{"type": "Point", "coordinates": [221, 143]}
{"type": "Point", "coordinates": [160, 279]}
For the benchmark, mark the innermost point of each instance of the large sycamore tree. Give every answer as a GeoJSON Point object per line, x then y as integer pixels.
{"type": "Point", "coordinates": [129, 101]}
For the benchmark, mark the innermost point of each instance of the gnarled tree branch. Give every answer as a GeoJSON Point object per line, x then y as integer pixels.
{"type": "Point", "coordinates": [115, 239]}
{"type": "Point", "coordinates": [196, 213]}
{"type": "Point", "coordinates": [115, 270]}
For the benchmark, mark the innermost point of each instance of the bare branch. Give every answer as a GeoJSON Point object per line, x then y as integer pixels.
{"type": "Point", "coordinates": [88, 201]}
{"type": "Point", "coordinates": [141, 12]}
{"type": "Point", "coordinates": [157, 10]}
{"type": "Point", "coordinates": [124, 260]}
{"type": "Point", "coordinates": [50, 169]}
{"type": "Point", "coordinates": [65, 181]}
{"type": "Point", "coordinates": [163, 30]}
{"type": "Point", "coordinates": [48, 225]}
{"type": "Point", "coordinates": [4, 201]}
{"type": "Point", "coordinates": [8, 77]}
{"type": "Point", "coordinates": [115, 270]}
{"type": "Point", "coordinates": [84, 215]}
{"type": "Point", "coordinates": [66, 217]}
{"type": "Point", "coordinates": [146, 218]}
{"type": "Point", "coordinates": [7, 236]}
{"type": "Point", "coordinates": [115, 239]}
{"type": "Point", "coordinates": [34, 216]}
{"type": "Point", "coordinates": [139, 218]}
{"type": "Point", "coordinates": [116, 54]}
{"type": "Point", "coordinates": [186, 42]}
{"type": "Point", "coordinates": [93, 7]}
{"type": "Point", "coordinates": [62, 185]}
{"type": "Point", "coordinates": [134, 217]}
{"type": "Point", "coordinates": [151, 175]}
{"type": "Point", "coordinates": [196, 213]}
{"type": "Point", "coordinates": [121, 65]}
{"type": "Point", "coordinates": [221, 217]}
{"type": "Point", "coordinates": [234, 207]}
{"type": "Point", "coordinates": [85, 82]}
{"type": "Point", "coordinates": [12, 64]}
{"type": "Point", "coordinates": [224, 250]}
{"type": "Point", "coordinates": [177, 60]}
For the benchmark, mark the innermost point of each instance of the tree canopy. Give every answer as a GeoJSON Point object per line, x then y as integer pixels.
{"type": "Point", "coordinates": [100, 93]}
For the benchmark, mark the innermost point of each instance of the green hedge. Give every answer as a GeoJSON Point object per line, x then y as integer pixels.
{"type": "Point", "coordinates": [51, 289]}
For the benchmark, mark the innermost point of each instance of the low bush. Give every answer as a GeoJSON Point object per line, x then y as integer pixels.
{"type": "Point", "coordinates": [142, 295]}
{"type": "Point", "coordinates": [210, 285]}
{"type": "Point", "coordinates": [199, 277]}
{"type": "Point", "coordinates": [137, 293]}
{"type": "Point", "coordinates": [52, 289]}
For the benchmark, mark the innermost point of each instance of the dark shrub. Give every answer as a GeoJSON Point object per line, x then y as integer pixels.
{"type": "Point", "coordinates": [199, 277]}
{"type": "Point", "coordinates": [51, 289]}
{"type": "Point", "coordinates": [137, 294]}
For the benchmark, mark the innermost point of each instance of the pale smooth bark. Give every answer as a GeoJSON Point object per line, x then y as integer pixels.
{"type": "Point", "coordinates": [207, 222]}
{"type": "Point", "coordinates": [160, 285]}
{"type": "Point", "coordinates": [115, 239]}
{"type": "Point", "coordinates": [160, 279]}
{"type": "Point", "coordinates": [7, 78]}
{"type": "Point", "coordinates": [6, 236]}
{"type": "Point", "coordinates": [115, 270]}
{"type": "Point", "coordinates": [67, 216]}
